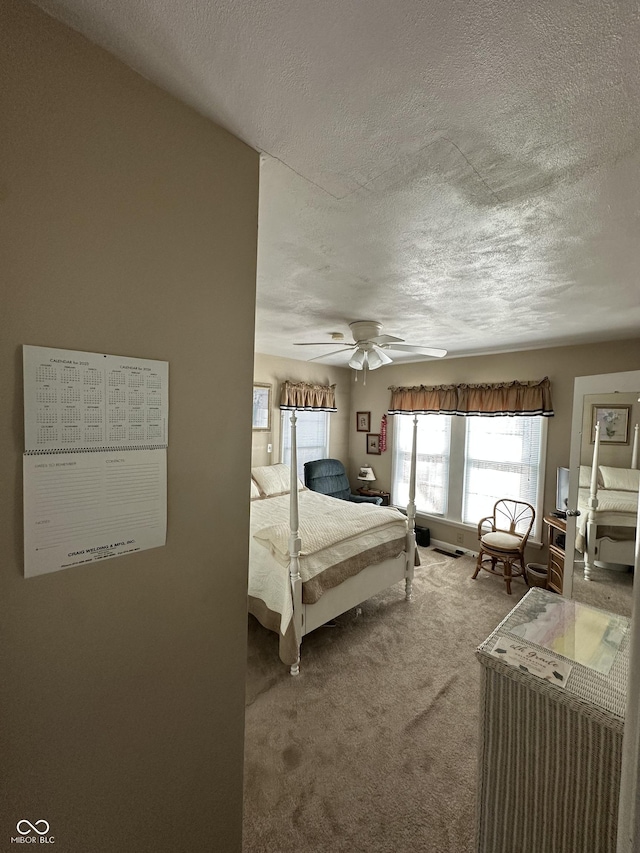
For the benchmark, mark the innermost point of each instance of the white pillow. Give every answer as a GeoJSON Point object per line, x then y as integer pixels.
{"type": "Point", "coordinates": [273, 479]}
{"type": "Point", "coordinates": [625, 479]}
{"type": "Point", "coordinates": [585, 476]}
{"type": "Point", "coordinates": [255, 491]}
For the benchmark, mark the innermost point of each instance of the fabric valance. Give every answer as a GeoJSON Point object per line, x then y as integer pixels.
{"type": "Point", "coordinates": [524, 399]}
{"type": "Point", "coordinates": [305, 397]}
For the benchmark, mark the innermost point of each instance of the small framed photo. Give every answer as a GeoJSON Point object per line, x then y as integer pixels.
{"type": "Point", "coordinates": [363, 421]}
{"type": "Point", "coordinates": [614, 424]}
{"type": "Point", "coordinates": [261, 406]}
{"type": "Point", "coordinates": [373, 443]}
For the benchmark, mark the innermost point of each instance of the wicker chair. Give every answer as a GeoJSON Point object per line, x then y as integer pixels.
{"type": "Point", "coordinates": [503, 537]}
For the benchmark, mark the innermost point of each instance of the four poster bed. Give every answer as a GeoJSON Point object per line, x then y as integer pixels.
{"type": "Point", "coordinates": [313, 557]}
{"type": "Point", "coordinates": [608, 507]}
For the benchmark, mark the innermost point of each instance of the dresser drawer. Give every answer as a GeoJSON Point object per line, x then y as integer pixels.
{"type": "Point", "coordinates": [556, 570]}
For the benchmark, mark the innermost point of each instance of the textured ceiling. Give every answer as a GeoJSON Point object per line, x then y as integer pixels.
{"type": "Point", "coordinates": [466, 173]}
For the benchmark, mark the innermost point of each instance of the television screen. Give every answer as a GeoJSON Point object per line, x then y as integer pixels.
{"type": "Point", "coordinates": [562, 490]}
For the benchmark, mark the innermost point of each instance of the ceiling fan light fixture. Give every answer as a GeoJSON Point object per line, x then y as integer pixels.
{"type": "Point", "coordinates": [370, 349]}
{"type": "Point", "coordinates": [377, 358]}
{"type": "Point", "coordinates": [374, 360]}
{"type": "Point", "coordinates": [358, 360]}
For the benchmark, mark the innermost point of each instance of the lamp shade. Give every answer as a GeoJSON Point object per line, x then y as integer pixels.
{"type": "Point", "coordinates": [366, 474]}
{"type": "Point", "coordinates": [377, 357]}
{"type": "Point", "coordinates": [358, 360]}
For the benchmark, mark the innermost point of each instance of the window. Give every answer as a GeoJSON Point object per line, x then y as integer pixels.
{"type": "Point", "coordinates": [312, 433]}
{"type": "Point", "coordinates": [502, 460]}
{"type": "Point", "coordinates": [432, 464]}
{"type": "Point", "coordinates": [465, 465]}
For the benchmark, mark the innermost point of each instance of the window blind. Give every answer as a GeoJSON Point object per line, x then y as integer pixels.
{"type": "Point", "coordinates": [312, 431]}
{"type": "Point", "coordinates": [502, 460]}
{"type": "Point", "coordinates": [432, 462]}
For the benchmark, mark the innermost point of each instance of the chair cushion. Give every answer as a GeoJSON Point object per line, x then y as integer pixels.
{"type": "Point", "coordinates": [502, 541]}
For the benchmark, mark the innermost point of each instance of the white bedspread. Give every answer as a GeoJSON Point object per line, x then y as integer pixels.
{"type": "Point", "coordinates": [331, 531]}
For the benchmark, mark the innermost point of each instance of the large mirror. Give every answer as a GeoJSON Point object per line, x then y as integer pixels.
{"type": "Point", "coordinates": [602, 571]}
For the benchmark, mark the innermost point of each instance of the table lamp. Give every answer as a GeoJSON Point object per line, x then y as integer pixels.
{"type": "Point", "coordinates": [366, 475]}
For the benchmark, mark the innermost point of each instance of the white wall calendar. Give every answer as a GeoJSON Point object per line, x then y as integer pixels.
{"type": "Point", "coordinates": [94, 467]}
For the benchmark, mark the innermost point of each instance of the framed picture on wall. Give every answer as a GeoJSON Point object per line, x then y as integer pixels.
{"type": "Point", "coordinates": [363, 421]}
{"type": "Point", "coordinates": [373, 443]}
{"type": "Point", "coordinates": [614, 424]}
{"type": "Point", "coordinates": [261, 406]}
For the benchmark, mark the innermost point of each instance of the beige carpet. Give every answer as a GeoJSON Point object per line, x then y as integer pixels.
{"type": "Point", "coordinates": [373, 747]}
{"type": "Point", "coordinates": [608, 590]}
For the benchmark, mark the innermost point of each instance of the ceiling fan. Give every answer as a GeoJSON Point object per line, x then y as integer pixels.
{"type": "Point", "coordinates": [369, 350]}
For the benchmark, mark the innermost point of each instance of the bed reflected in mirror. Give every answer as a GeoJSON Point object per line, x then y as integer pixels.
{"type": "Point", "coordinates": [605, 537]}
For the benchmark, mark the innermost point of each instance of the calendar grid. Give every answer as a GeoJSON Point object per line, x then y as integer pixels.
{"type": "Point", "coordinates": [75, 401]}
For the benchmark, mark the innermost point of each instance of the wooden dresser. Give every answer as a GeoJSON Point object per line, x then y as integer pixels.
{"type": "Point", "coordinates": [557, 528]}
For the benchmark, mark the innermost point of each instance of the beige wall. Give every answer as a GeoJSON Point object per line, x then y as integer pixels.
{"type": "Point", "coordinates": [560, 364]}
{"type": "Point", "coordinates": [272, 371]}
{"type": "Point", "coordinates": [129, 226]}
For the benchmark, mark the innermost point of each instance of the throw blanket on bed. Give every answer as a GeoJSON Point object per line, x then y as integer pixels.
{"type": "Point", "coordinates": [325, 531]}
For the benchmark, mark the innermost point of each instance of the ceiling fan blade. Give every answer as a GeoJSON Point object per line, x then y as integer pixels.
{"type": "Point", "coordinates": [434, 352]}
{"type": "Point", "coordinates": [386, 339]}
{"type": "Point", "coordinates": [327, 354]}
{"type": "Point", "coordinates": [317, 344]}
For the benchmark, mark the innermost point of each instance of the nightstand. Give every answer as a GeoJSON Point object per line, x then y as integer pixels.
{"type": "Point", "coordinates": [375, 493]}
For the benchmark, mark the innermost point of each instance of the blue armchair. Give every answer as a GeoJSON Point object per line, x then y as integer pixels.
{"type": "Point", "coordinates": [329, 477]}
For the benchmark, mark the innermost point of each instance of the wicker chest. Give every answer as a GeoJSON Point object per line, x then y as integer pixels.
{"type": "Point", "coordinates": [550, 756]}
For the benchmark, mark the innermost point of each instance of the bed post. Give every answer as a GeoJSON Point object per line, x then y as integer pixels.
{"type": "Point", "coordinates": [411, 515]}
{"type": "Point", "coordinates": [295, 545]}
{"type": "Point", "coordinates": [590, 532]}
{"type": "Point", "coordinates": [634, 452]}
